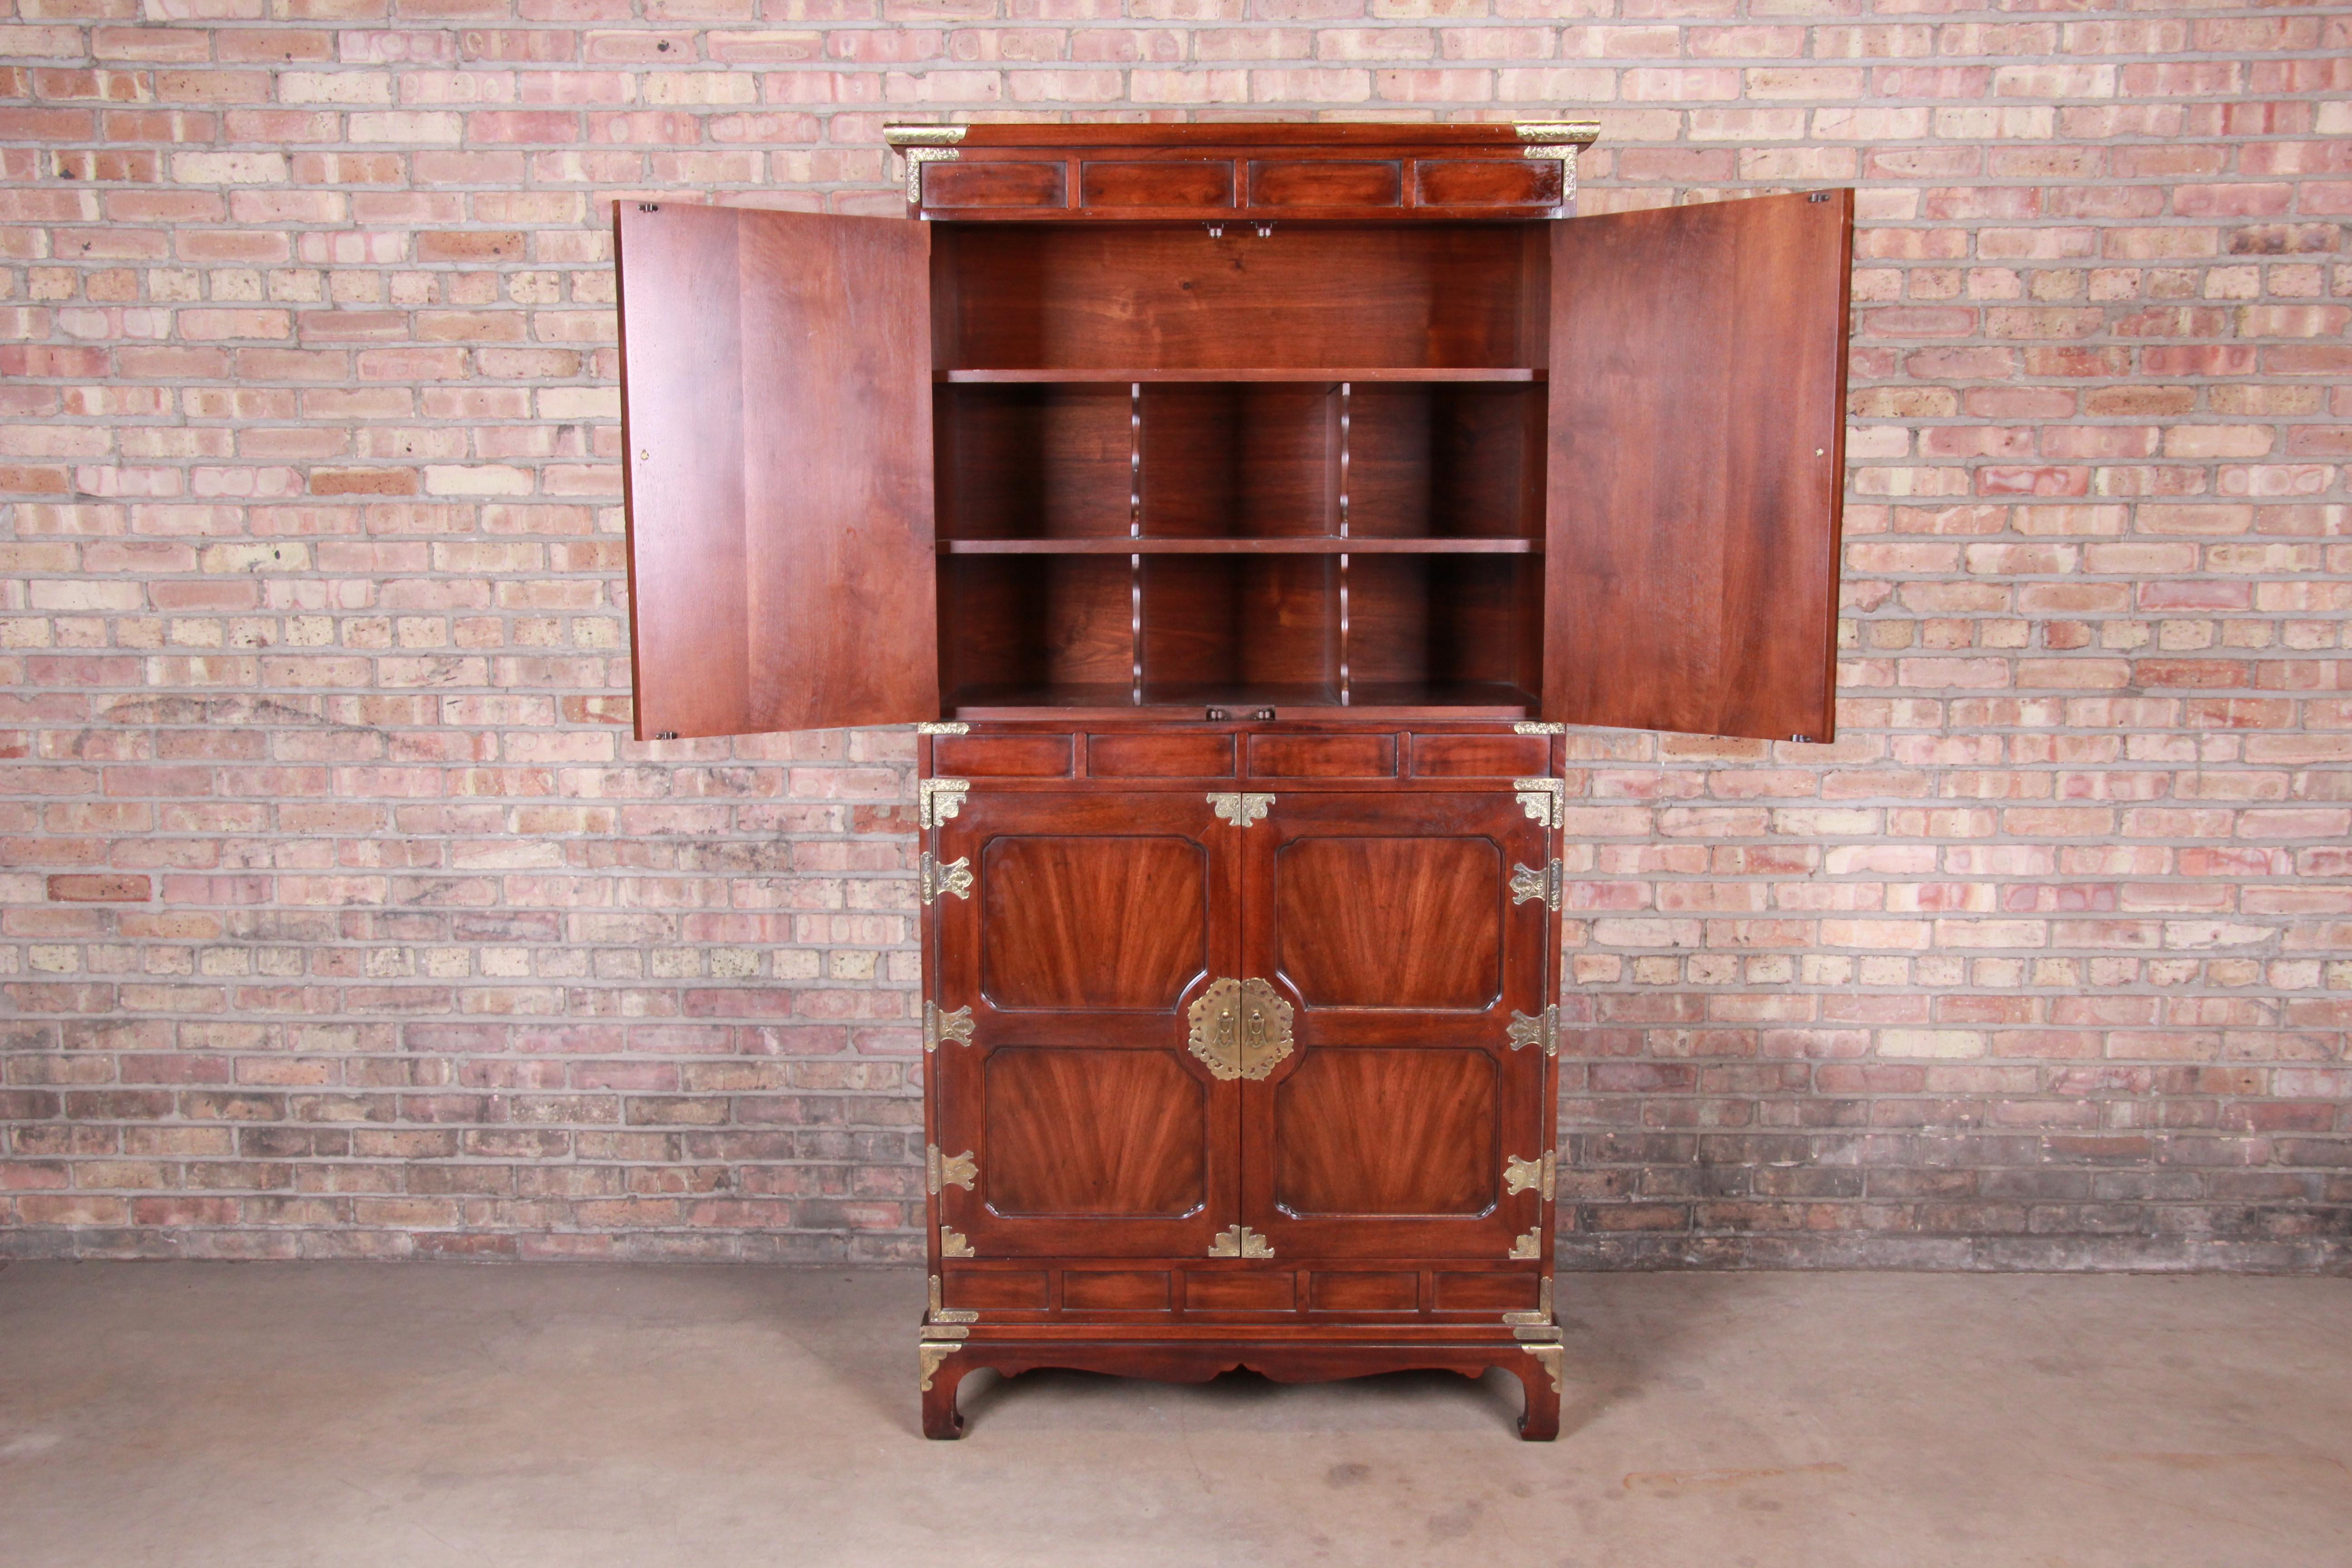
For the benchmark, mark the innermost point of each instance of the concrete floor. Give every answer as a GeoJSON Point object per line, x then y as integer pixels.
{"type": "Point", "coordinates": [377, 1415]}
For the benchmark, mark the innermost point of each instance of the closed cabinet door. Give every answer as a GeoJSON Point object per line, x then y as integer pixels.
{"type": "Point", "coordinates": [1075, 931]}
{"type": "Point", "coordinates": [1404, 937]}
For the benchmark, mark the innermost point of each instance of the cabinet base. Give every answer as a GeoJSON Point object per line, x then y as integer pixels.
{"type": "Point", "coordinates": [1536, 1367]}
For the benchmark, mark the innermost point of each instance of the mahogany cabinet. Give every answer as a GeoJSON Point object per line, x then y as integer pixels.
{"type": "Point", "coordinates": [1243, 511]}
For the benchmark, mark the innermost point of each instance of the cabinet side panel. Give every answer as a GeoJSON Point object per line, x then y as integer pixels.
{"type": "Point", "coordinates": [1695, 474]}
{"type": "Point", "coordinates": [682, 420]}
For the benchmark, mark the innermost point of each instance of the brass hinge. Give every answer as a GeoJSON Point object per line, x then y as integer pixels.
{"type": "Point", "coordinates": [917, 156]}
{"type": "Point", "coordinates": [954, 1028]}
{"type": "Point", "coordinates": [949, 1170]}
{"type": "Point", "coordinates": [1529, 1245]}
{"type": "Point", "coordinates": [1542, 1314]}
{"type": "Point", "coordinates": [944, 1314]}
{"type": "Point", "coordinates": [1241, 810]}
{"type": "Point", "coordinates": [1543, 1029]}
{"type": "Point", "coordinates": [953, 1244]}
{"type": "Point", "coordinates": [954, 877]}
{"type": "Point", "coordinates": [942, 727]}
{"type": "Point", "coordinates": [1544, 800]}
{"type": "Point", "coordinates": [936, 800]}
{"type": "Point", "coordinates": [1530, 727]}
{"type": "Point", "coordinates": [1520, 1175]}
{"type": "Point", "coordinates": [1546, 882]}
{"type": "Point", "coordinates": [1240, 1241]}
{"type": "Point", "coordinates": [1240, 1028]}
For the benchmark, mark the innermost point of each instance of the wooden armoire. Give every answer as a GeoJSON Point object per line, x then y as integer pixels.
{"type": "Point", "coordinates": [1243, 513]}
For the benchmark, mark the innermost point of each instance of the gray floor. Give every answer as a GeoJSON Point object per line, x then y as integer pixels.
{"type": "Point", "coordinates": [203, 1415]}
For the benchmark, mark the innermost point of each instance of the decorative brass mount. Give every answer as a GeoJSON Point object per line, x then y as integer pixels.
{"type": "Point", "coordinates": [936, 800]}
{"type": "Point", "coordinates": [1240, 1028]}
{"type": "Point", "coordinates": [1544, 800]}
{"type": "Point", "coordinates": [1543, 1029]}
{"type": "Point", "coordinates": [919, 156]}
{"type": "Point", "coordinates": [934, 1355]}
{"type": "Point", "coordinates": [953, 1028]}
{"type": "Point", "coordinates": [948, 135]}
{"type": "Point", "coordinates": [1561, 140]}
{"type": "Point", "coordinates": [1546, 882]}
{"type": "Point", "coordinates": [1520, 1175]}
{"type": "Point", "coordinates": [942, 727]}
{"type": "Point", "coordinates": [1529, 1245]}
{"type": "Point", "coordinates": [1530, 727]}
{"type": "Point", "coordinates": [953, 879]}
{"type": "Point", "coordinates": [954, 1244]}
{"type": "Point", "coordinates": [945, 1314]}
{"type": "Point", "coordinates": [1240, 1241]}
{"type": "Point", "coordinates": [952, 1170]}
{"type": "Point", "coordinates": [1241, 810]}
{"type": "Point", "coordinates": [1541, 1315]}
{"type": "Point", "coordinates": [1548, 1357]}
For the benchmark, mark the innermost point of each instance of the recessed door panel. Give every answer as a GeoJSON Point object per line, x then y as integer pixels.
{"type": "Point", "coordinates": [1386, 1131]}
{"type": "Point", "coordinates": [1391, 922]}
{"type": "Point", "coordinates": [1093, 1132]}
{"type": "Point", "coordinates": [1084, 921]}
{"type": "Point", "coordinates": [1071, 931]}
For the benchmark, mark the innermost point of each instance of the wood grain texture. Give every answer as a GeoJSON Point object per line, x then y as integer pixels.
{"type": "Point", "coordinates": [1093, 1132]}
{"type": "Point", "coordinates": [1084, 921]}
{"type": "Point", "coordinates": [1388, 1132]}
{"type": "Point", "coordinates": [1034, 461]}
{"type": "Point", "coordinates": [1697, 466]}
{"type": "Point", "coordinates": [776, 417]}
{"type": "Point", "coordinates": [1391, 921]}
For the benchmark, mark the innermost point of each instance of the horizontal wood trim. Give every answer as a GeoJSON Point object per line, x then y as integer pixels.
{"type": "Point", "coordinates": [1350, 136]}
{"type": "Point", "coordinates": [1090, 376]}
{"type": "Point", "coordinates": [1295, 544]}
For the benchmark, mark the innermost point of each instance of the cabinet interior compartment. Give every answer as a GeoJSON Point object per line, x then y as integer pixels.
{"type": "Point", "coordinates": [1240, 630]}
{"type": "Point", "coordinates": [1026, 631]}
{"type": "Point", "coordinates": [1034, 461]}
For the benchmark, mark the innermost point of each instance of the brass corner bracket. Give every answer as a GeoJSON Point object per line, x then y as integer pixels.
{"type": "Point", "coordinates": [1544, 800]}
{"type": "Point", "coordinates": [937, 800]}
{"type": "Point", "coordinates": [954, 1244]}
{"type": "Point", "coordinates": [942, 727]}
{"type": "Point", "coordinates": [933, 135]}
{"type": "Point", "coordinates": [943, 1314]}
{"type": "Point", "coordinates": [1528, 1246]}
{"type": "Point", "coordinates": [915, 158]}
{"type": "Point", "coordinates": [1530, 727]}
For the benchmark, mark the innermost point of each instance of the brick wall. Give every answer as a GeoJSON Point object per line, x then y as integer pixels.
{"type": "Point", "coordinates": [339, 915]}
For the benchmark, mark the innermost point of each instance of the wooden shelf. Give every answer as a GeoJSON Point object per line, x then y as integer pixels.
{"type": "Point", "coordinates": [1272, 544]}
{"type": "Point", "coordinates": [1070, 374]}
{"type": "Point", "coordinates": [1166, 700]}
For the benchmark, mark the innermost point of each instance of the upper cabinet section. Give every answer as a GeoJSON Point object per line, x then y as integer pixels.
{"type": "Point", "coordinates": [1247, 174]}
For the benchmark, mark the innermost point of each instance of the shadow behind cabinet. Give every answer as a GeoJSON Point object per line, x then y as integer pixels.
{"type": "Point", "coordinates": [1243, 511]}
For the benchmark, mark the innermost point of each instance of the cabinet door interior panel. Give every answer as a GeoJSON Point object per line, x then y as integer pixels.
{"type": "Point", "coordinates": [1092, 920]}
{"type": "Point", "coordinates": [776, 415]}
{"type": "Point", "coordinates": [1391, 921]}
{"type": "Point", "coordinates": [1698, 419]}
{"type": "Point", "coordinates": [1388, 1132]}
{"type": "Point", "coordinates": [1100, 1134]}
{"type": "Point", "coordinates": [1034, 296]}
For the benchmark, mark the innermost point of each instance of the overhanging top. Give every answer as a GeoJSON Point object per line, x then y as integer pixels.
{"type": "Point", "coordinates": [1249, 132]}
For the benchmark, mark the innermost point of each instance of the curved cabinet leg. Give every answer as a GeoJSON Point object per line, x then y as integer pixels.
{"type": "Point", "coordinates": [1539, 1374]}
{"type": "Point", "coordinates": [942, 1371]}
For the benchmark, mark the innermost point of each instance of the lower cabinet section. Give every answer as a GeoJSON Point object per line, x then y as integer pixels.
{"type": "Point", "coordinates": [1256, 1076]}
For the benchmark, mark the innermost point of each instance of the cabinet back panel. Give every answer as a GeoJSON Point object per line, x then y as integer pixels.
{"type": "Point", "coordinates": [1239, 459]}
{"type": "Point", "coordinates": [1024, 296]}
{"type": "Point", "coordinates": [1239, 621]}
{"type": "Point", "coordinates": [1092, 922]}
{"type": "Point", "coordinates": [1029, 621]}
{"type": "Point", "coordinates": [1438, 620]}
{"type": "Point", "coordinates": [1390, 922]}
{"type": "Point", "coordinates": [1093, 1132]}
{"type": "Point", "coordinates": [1027, 462]}
{"type": "Point", "coordinates": [1445, 461]}
{"type": "Point", "coordinates": [1388, 1132]}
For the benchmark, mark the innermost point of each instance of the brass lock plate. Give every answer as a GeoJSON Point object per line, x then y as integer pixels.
{"type": "Point", "coordinates": [1240, 1028]}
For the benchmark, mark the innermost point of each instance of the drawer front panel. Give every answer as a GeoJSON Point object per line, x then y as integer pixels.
{"type": "Point", "coordinates": [1002, 757]}
{"type": "Point", "coordinates": [1323, 756]}
{"type": "Point", "coordinates": [1485, 182]}
{"type": "Point", "coordinates": [1156, 184]}
{"type": "Point", "coordinates": [991, 184]}
{"type": "Point", "coordinates": [1207, 1292]}
{"type": "Point", "coordinates": [1124, 1290]}
{"type": "Point", "coordinates": [1498, 1292]}
{"type": "Point", "coordinates": [1022, 1290]}
{"type": "Point", "coordinates": [1160, 756]}
{"type": "Point", "coordinates": [1324, 184]}
{"type": "Point", "coordinates": [1354, 1291]}
{"type": "Point", "coordinates": [1480, 756]}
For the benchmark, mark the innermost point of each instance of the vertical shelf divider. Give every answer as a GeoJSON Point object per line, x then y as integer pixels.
{"type": "Point", "coordinates": [1347, 691]}
{"type": "Point", "coordinates": [1135, 530]}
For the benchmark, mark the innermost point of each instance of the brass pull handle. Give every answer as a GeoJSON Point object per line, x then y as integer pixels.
{"type": "Point", "coordinates": [1240, 1028]}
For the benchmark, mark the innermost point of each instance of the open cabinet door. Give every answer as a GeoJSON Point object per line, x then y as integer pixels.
{"type": "Point", "coordinates": [1698, 456]}
{"type": "Point", "coordinates": [776, 404]}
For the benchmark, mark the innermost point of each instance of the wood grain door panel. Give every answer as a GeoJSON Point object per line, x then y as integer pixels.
{"type": "Point", "coordinates": [776, 420]}
{"type": "Point", "coordinates": [1698, 426]}
{"type": "Point", "coordinates": [1388, 918]}
{"type": "Point", "coordinates": [1093, 920]}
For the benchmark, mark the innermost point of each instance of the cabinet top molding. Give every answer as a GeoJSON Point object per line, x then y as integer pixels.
{"type": "Point", "coordinates": [1250, 133]}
